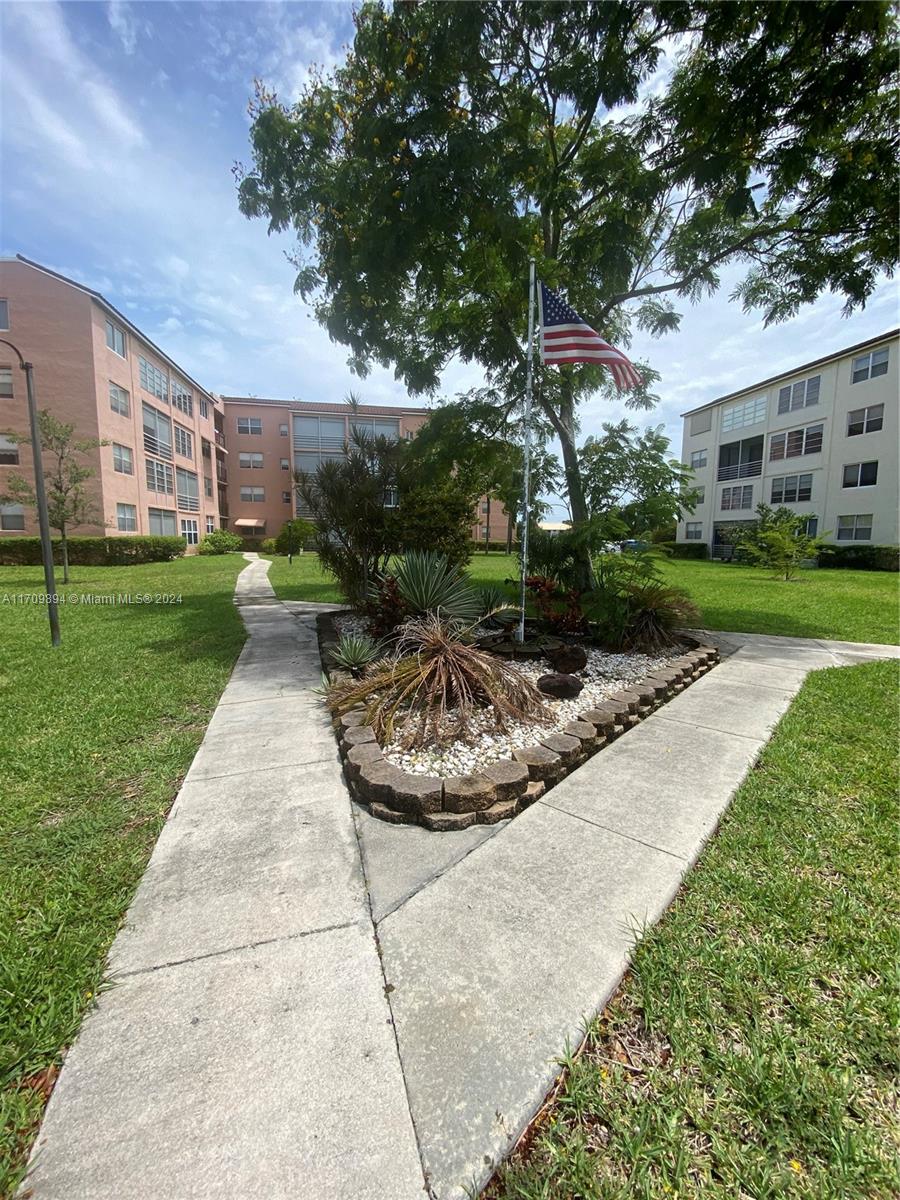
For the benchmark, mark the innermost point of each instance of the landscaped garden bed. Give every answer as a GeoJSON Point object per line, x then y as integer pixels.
{"type": "Point", "coordinates": [491, 773]}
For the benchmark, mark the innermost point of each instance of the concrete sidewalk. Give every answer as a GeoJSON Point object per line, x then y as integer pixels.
{"type": "Point", "coordinates": [256, 1044]}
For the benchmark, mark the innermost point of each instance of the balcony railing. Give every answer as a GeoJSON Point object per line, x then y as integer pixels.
{"type": "Point", "coordinates": [745, 470]}
{"type": "Point", "coordinates": [220, 440]}
{"type": "Point", "coordinates": [221, 473]}
{"type": "Point", "coordinates": [153, 445]}
{"type": "Point", "coordinates": [188, 503]}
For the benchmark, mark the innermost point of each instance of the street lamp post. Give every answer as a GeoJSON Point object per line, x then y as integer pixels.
{"type": "Point", "coordinates": [40, 493]}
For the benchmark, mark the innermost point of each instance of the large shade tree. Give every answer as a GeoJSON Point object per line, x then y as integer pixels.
{"type": "Point", "coordinates": [635, 149]}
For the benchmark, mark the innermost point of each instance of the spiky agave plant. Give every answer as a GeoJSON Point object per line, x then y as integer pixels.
{"type": "Point", "coordinates": [435, 684]}
{"type": "Point", "coordinates": [354, 651]}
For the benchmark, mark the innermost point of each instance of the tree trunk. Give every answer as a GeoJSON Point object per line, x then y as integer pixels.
{"type": "Point", "coordinates": [510, 528]}
{"type": "Point", "coordinates": [487, 527]}
{"type": "Point", "coordinates": [563, 422]}
{"type": "Point", "coordinates": [65, 553]}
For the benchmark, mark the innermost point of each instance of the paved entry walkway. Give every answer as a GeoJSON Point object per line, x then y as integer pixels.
{"type": "Point", "coordinates": [309, 1003]}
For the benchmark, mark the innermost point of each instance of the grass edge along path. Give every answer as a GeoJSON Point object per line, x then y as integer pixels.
{"type": "Point", "coordinates": [751, 1049]}
{"type": "Point", "coordinates": [854, 606]}
{"type": "Point", "coordinates": [95, 739]}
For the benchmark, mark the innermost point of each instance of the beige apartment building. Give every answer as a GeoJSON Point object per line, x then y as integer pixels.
{"type": "Point", "coordinates": [821, 439]}
{"type": "Point", "coordinates": [268, 440]}
{"type": "Point", "coordinates": [160, 468]}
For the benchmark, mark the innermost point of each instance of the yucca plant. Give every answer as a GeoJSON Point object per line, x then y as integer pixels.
{"type": "Point", "coordinates": [655, 612]}
{"type": "Point", "coordinates": [494, 601]}
{"type": "Point", "coordinates": [430, 583]}
{"type": "Point", "coordinates": [435, 685]}
{"type": "Point", "coordinates": [354, 651]}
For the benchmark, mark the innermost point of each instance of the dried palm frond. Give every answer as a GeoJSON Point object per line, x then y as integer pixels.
{"type": "Point", "coordinates": [435, 684]}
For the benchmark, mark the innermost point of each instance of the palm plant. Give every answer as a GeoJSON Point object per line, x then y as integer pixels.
{"type": "Point", "coordinates": [354, 651]}
{"type": "Point", "coordinates": [430, 583]}
{"type": "Point", "coordinates": [435, 685]}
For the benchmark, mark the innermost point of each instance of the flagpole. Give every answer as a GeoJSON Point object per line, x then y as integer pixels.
{"type": "Point", "coordinates": [526, 505]}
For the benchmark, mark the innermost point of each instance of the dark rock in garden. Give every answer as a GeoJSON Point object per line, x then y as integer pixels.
{"type": "Point", "coordinates": [384, 812]}
{"type": "Point", "coordinates": [377, 780]}
{"type": "Point", "coordinates": [446, 822]}
{"type": "Point", "coordinates": [468, 793]}
{"type": "Point", "coordinates": [533, 792]}
{"type": "Point", "coordinates": [508, 777]}
{"type": "Point", "coordinates": [358, 756]}
{"type": "Point", "coordinates": [504, 649]}
{"type": "Point", "coordinates": [560, 686]}
{"type": "Point", "coordinates": [568, 659]}
{"type": "Point", "coordinates": [501, 811]}
{"type": "Point", "coordinates": [541, 763]}
{"type": "Point", "coordinates": [418, 794]}
{"type": "Point", "coordinates": [358, 735]}
{"type": "Point", "coordinates": [568, 748]}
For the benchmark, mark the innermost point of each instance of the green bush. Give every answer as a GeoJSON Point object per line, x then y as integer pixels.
{"type": "Point", "coordinates": [686, 549]}
{"type": "Point", "coordinates": [220, 541]}
{"type": "Point", "coordinates": [268, 546]}
{"type": "Point", "coordinates": [861, 558]}
{"type": "Point", "coordinates": [665, 534]}
{"type": "Point", "coordinates": [437, 519]}
{"type": "Point", "coordinates": [633, 607]}
{"type": "Point", "coordinates": [293, 536]}
{"type": "Point", "coordinates": [93, 551]}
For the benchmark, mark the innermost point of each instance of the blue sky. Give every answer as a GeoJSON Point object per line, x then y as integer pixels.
{"type": "Point", "coordinates": [120, 124]}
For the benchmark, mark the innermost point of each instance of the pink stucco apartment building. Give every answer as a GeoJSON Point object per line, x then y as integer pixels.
{"type": "Point", "coordinates": [162, 464]}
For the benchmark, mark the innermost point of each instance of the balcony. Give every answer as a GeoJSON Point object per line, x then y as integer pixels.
{"type": "Point", "coordinates": [741, 460]}
{"type": "Point", "coordinates": [220, 440]}
{"type": "Point", "coordinates": [188, 503]}
{"type": "Point", "coordinates": [153, 445]}
{"type": "Point", "coordinates": [221, 473]}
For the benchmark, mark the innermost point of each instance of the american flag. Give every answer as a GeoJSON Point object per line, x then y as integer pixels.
{"type": "Point", "coordinates": [567, 338]}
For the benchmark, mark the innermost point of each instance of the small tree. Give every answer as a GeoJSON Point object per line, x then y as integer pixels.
{"type": "Point", "coordinates": [780, 541]}
{"type": "Point", "coordinates": [68, 503]}
{"type": "Point", "coordinates": [293, 537]}
{"type": "Point", "coordinates": [437, 516]}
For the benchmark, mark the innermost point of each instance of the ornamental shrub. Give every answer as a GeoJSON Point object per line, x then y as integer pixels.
{"type": "Point", "coordinates": [220, 541]}
{"type": "Point", "coordinates": [93, 551]}
{"type": "Point", "coordinates": [437, 518]}
{"type": "Point", "coordinates": [861, 558]}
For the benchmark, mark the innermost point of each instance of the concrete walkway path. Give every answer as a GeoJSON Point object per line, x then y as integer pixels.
{"type": "Point", "coordinates": [257, 1045]}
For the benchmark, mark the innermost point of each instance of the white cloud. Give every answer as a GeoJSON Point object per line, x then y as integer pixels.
{"type": "Point", "coordinates": [122, 22]}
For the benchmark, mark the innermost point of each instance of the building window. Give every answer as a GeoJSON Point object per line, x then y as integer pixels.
{"type": "Point", "coordinates": [123, 460]}
{"type": "Point", "coordinates": [789, 489]}
{"type": "Point", "coordinates": [157, 433]}
{"type": "Point", "coordinates": [253, 495]}
{"type": "Point", "coordinates": [126, 518]}
{"type": "Point", "coordinates": [701, 422]}
{"type": "Point", "coordinates": [115, 338]}
{"type": "Point", "coordinates": [865, 420]}
{"type": "Point", "coordinates": [9, 452]}
{"type": "Point", "coordinates": [698, 459]}
{"type": "Point", "coordinates": [750, 412]}
{"type": "Point", "coordinates": [204, 407]}
{"type": "Point", "coordinates": [700, 496]}
{"type": "Point", "coordinates": [860, 475]}
{"type": "Point", "coordinates": [803, 394]}
{"type": "Point", "coordinates": [160, 477]}
{"type": "Point", "coordinates": [796, 443]}
{"type": "Point", "coordinates": [186, 490]}
{"type": "Point", "coordinates": [119, 400]}
{"type": "Point", "coordinates": [12, 516]}
{"type": "Point", "coordinates": [189, 531]}
{"type": "Point", "coordinates": [162, 522]}
{"type": "Point", "coordinates": [285, 497]}
{"type": "Point", "coordinates": [210, 524]}
{"type": "Point", "coordinates": [249, 425]}
{"type": "Point", "coordinates": [869, 366]}
{"type": "Point", "coordinates": [283, 430]}
{"type": "Point", "coordinates": [693, 531]}
{"type": "Point", "coordinates": [153, 380]}
{"type": "Point", "coordinates": [4, 314]}
{"type": "Point", "coordinates": [207, 485]}
{"type": "Point", "coordinates": [184, 442]}
{"type": "Point", "coordinates": [812, 526]}
{"type": "Point", "coordinates": [181, 397]}
{"type": "Point", "coordinates": [391, 498]}
{"type": "Point", "coordinates": [285, 464]}
{"type": "Point", "coordinates": [6, 383]}
{"type": "Point", "coordinates": [737, 497]}
{"type": "Point", "coordinates": [248, 461]}
{"type": "Point", "coordinates": [857, 528]}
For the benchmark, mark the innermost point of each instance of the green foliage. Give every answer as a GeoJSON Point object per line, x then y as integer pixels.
{"type": "Point", "coordinates": [632, 476]}
{"type": "Point", "coordinates": [779, 541]}
{"type": "Point", "coordinates": [696, 550]}
{"type": "Point", "coordinates": [437, 517]}
{"type": "Point", "coordinates": [293, 536]}
{"type": "Point", "coordinates": [434, 686]}
{"type": "Point", "coordinates": [860, 558]}
{"type": "Point", "coordinates": [664, 534]}
{"type": "Point", "coordinates": [385, 606]}
{"type": "Point", "coordinates": [633, 607]}
{"type": "Point", "coordinates": [558, 555]}
{"type": "Point", "coordinates": [93, 551]}
{"type": "Point", "coordinates": [355, 531]}
{"type": "Point", "coordinates": [220, 541]}
{"type": "Point", "coordinates": [456, 140]}
{"type": "Point", "coordinates": [429, 583]}
{"type": "Point", "coordinates": [354, 651]}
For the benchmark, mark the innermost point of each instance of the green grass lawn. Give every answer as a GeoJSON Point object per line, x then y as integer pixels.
{"type": "Point", "coordinates": [855, 606]}
{"type": "Point", "coordinates": [752, 1051]}
{"type": "Point", "coordinates": [94, 740]}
